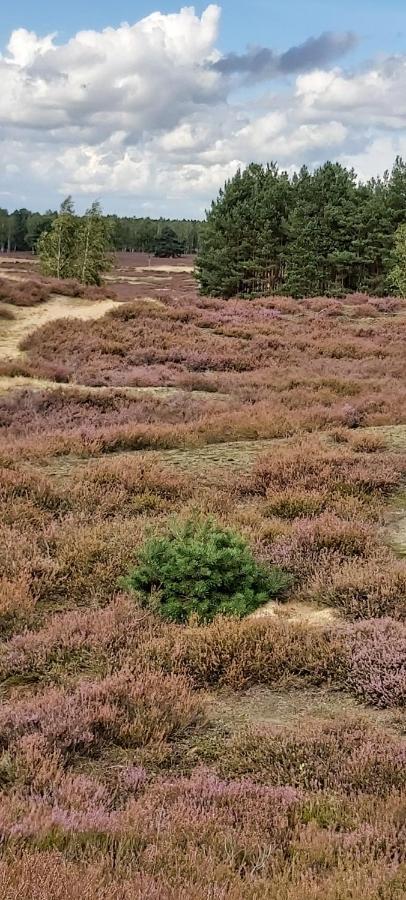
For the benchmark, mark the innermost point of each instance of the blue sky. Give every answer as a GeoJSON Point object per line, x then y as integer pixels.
{"type": "Point", "coordinates": [159, 129]}
{"type": "Point", "coordinates": [381, 25]}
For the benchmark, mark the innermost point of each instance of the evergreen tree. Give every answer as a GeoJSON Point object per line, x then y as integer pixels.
{"type": "Point", "coordinates": [398, 274]}
{"type": "Point", "coordinates": [57, 246]}
{"type": "Point", "coordinates": [91, 258]}
{"type": "Point", "coordinates": [375, 238]}
{"type": "Point", "coordinates": [4, 226]}
{"type": "Point", "coordinates": [396, 190]}
{"type": "Point", "coordinates": [168, 243]}
{"type": "Point", "coordinates": [243, 243]}
{"type": "Point", "coordinates": [20, 218]}
{"type": "Point", "coordinates": [323, 254]}
{"type": "Point", "coordinates": [36, 225]}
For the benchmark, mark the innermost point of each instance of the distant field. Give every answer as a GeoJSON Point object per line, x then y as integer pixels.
{"type": "Point", "coordinates": [261, 758]}
{"type": "Point", "coordinates": [125, 260]}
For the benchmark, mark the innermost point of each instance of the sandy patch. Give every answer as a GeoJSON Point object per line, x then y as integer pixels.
{"type": "Point", "coordinates": [28, 318]}
{"type": "Point", "coordinates": [396, 527]}
{"type": "Point", "coordinates": [4, 260]}
{"type": "Point", "coordinates": [306, 613]}
{"type": "Point", "coordinates": [11, 383]}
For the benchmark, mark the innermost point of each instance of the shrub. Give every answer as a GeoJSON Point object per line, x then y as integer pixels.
{"type": "Point", "coordinates": [310, 464]}
{"type": "Point", "coordinates": [365, 589]}
{"type": "Point", "coordinates": [293, 504]}
{"type": "Point", "coordinates": [86, 561]}
{"type": "Point", "coordinates": [23, 293]}
{"type": "Point", "coordinates": [368, 443]}
{"type": "Point", "coordinates": [343, 755]}
{"type": "Point", "coordinates": [375, 661]}
{"type": "Point", "coordinates": [16, 602]}
{"type": "Point", "coordinates": [126, 709]}
{"type": "Point", "coordinates": [74, 639]}
{"type": "Point", "coordinates": [238, 654]}
{"type": "Point", "coordinates": [198, 568]}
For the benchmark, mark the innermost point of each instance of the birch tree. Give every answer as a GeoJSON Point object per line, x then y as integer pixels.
{"type": "Point", "coordinates": [92, 242]}
{"type": "Point", "coordinates": [56, 247]}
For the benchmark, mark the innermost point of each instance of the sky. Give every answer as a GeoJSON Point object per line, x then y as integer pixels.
{"type": "Point", "coordinates": [150, 106]}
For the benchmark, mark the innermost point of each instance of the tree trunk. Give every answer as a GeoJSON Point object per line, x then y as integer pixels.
{"type": "Point", "coordinates": [58, 257]}
{"type": "Point", "coordinates": [86, 253]}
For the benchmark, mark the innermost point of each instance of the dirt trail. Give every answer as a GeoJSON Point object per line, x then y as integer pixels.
{"type": "Point", "coordinates": [278, 708]}
{"type": "Point", "coordinates": [212, 460]}
{"type": "Point", "coordinates": [397, 524]}
{"type": "Point", "coordinates": [28, 318]}
{"type": "Point", "coordinates": [11, 383]}
{"type": "Point", "coordinates": [25, 260]}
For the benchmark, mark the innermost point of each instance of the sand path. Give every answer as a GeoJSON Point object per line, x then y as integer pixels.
{"type": "Point", "coordinates": [28, 318]}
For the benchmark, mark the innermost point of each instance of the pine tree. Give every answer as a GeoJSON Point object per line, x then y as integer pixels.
{"type": "Point", "coordinates": [375, 236]}
{"type": "Point", "coordinates": [243, 242]}
{"type": "Point", "coordinates": [91, 258]}
{"type": "Point", "coordinates": [398, 273]}
{"type": "Point", "coordinates": [167, 244]}
{"type": "Point", "coordinates": [20, 217]}
{"type": "Point", "coordinates": [56, 247]}
{"type": "Point", "coordinates": [322, 254]}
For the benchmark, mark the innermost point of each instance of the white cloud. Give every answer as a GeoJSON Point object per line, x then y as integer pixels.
{"type": "Point", "coordinates": [140, 112]}
{"type": "Point", "coordinates": [24, 46]}
{"type": "Point", "coordinates": [376, 96]}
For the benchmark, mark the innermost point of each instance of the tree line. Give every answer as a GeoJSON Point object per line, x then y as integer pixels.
{"type": "Point", "coordinates": [312, 233]}
{"type": "Point", "coordinates": [22, 229]}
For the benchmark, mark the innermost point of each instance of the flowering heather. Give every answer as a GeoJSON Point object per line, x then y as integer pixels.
{"type": "Point", "coordinates": [23, 293]}
{"type": "Point", "coordinates": [26, 411]}
{"type": "Point", "coordinates": [340, 755]}
{"type": "Point", "coordinates": [323, 535]}
{"type": "Point", "coordinates": [363, 589]}
{"type": "Point", "coordinates": [133, 761]}
{"type": "Point", "coordinates": [167, 838]}
{"type": "Point", "coordinates": [236, 653]}
{"type": "Point", "coordinates": [375, 661]}
{"type": "Point", "coordinates": [127, 709]}
{"type": "Point", "coordinates": [30, 292]}
{"type": "Point", "coordinates": [310, 465]}
{"type": "Point", "coordinates": [274, 350]}
{"type": "Point", "coordinates": [113, 629]}
{"type": "Point", "coordinates": [49, 874]}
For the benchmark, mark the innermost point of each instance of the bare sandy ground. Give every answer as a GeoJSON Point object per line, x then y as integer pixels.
{"type": "Point", "coordinates": [5, 259]}
{"type": "Point", "coordinates": [28, 318]}
{"type": "Point", "coordinates": [307, 613]}
{"type": "Point", "coordinates": [12, 382]}
{"type": "Point", "coordinates": [265, 706]}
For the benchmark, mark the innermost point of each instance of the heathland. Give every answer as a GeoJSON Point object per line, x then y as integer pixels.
{"type": "Point", "coordinates": [254, 757]}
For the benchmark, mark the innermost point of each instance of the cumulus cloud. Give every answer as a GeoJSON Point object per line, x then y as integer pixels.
{"type": "Point", "coordinates": [132, 78]}
{"type": "Point", "coordinates": [262, 62]}
{"type": "Point", "coordinates": [149, 114]}
{"type": "Point", "coordinates": [375, 96]}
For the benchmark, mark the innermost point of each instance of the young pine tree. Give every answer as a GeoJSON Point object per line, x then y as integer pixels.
{"type": "Point", "coordinates": [56, 247]}
{"type": "Point", "coordinates": [91, 257]}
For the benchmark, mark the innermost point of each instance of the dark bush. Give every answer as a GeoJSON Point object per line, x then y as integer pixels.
{"type": "Point", "coordinates": [200, 569]}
